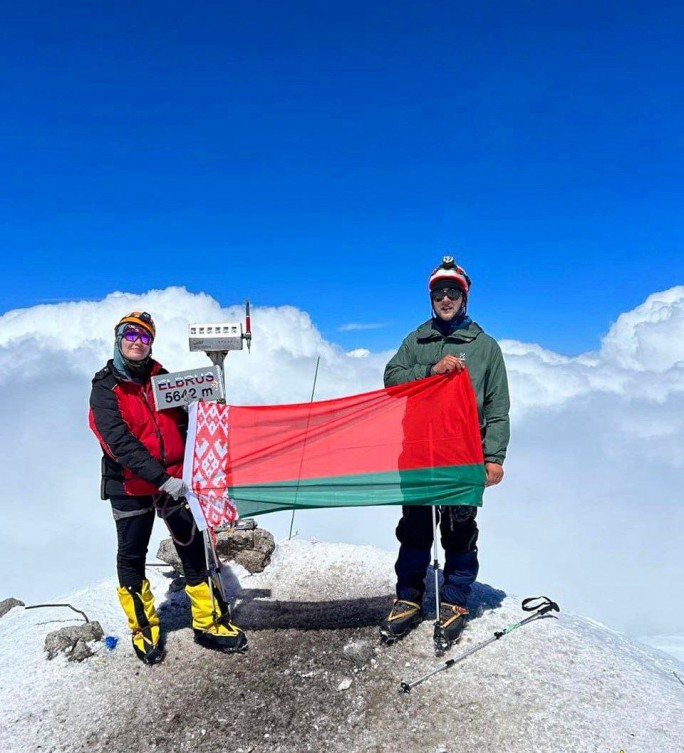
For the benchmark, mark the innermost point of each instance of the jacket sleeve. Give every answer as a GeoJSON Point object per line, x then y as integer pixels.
{"type": "Point", "coordinates": [496, 407]}
{"type": "Point", "coordinates": [116, 439]}
{"type": "Point", "coordinates": [402, 367]}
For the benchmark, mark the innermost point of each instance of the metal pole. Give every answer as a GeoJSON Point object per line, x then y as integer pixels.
{"type": "Point", "coordinates": [39, 606]}
{"type": "Point", "coordinates": [217, 358]}
{"type": "Point", "coordinates": [301, 460]}
{"type": "Point", "coordinates": [406, 686]}
{"type": "Point", "coordinates": [435, 562]}
{"type": "Point", "coordinates": [248, 327]}
{"type": "Point", "coordinates": [543, 608]}
{"type": "Point", "coordinates": [207, 547]}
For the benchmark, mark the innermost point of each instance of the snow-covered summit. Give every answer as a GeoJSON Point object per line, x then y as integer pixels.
{"type": "Point", "coordinates": [564, 684]}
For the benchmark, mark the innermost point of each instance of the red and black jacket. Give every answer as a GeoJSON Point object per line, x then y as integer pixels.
{"type": "Point", "coordinates": [142, 447]}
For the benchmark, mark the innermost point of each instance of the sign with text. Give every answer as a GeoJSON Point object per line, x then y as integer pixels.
{"type": "Point", "coordinates": [184, 387]}
{"type": "Point", "coordinates": [212, 337]}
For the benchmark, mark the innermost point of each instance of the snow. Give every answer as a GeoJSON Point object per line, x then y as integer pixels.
{"type": "Point", "coordinates": [670, 644]}
{"type": "Point", "coordinates": [566, 684]}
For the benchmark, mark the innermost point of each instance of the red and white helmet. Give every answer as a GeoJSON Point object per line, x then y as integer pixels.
{"type": "Point", "coordinates": [449, 271]}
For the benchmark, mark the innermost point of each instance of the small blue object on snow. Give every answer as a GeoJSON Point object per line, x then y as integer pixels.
{"type": "Point", "coordinates": [110, 642]}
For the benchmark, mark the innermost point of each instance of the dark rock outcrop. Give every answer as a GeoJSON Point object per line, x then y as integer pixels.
{"type": "Point", "coordinates": [7, 604]}
{"type": "Point", "coordinates": [252, 549]}
{"type": "Point", "coordinates": [73, 641]}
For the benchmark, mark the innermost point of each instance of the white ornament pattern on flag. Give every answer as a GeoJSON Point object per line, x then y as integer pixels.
{"type": "Point", "coordinates": [210, 457]}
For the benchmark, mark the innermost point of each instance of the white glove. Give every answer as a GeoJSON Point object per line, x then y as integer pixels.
{"type": "Point", "coordinates": [174, 487]}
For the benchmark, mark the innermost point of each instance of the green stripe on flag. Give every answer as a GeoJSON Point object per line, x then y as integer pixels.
{"type": "Point", "coordinates": [448, 485]}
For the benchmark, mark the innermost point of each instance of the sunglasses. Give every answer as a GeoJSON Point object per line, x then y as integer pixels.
{"type": "Point", "coordinates": [131, 335]}
{"type": "Point", "coordinates": [452, 293]}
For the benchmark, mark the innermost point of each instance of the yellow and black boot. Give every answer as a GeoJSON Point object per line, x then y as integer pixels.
{"type": "Point", "coordinates": [211, 621]}
{"type": "Point", "coordinates": [403, 617]}
{"type": "Point", "coordinates": [138, 604]}
{"type": "Point", "coordinates": [448, 629]}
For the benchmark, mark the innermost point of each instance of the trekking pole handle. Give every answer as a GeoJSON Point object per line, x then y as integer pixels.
{"type": "Point", "coordinates": [542, 606]}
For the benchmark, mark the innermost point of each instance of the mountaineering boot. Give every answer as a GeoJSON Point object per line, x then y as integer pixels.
{"type": "Point", "coordinates": [450, 626]}
{"type": "Point", "coordinates": [138, 605]}
{"type": "Point", "coordinates": [213, 629]}
{"type": "Point", "coordinates": [403, 617]}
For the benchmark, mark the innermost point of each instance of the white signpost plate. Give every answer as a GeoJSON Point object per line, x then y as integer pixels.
{"type": "Point", "coordinates": [215, 336]}
{"type": "Point", "coordinates": [184, 387]}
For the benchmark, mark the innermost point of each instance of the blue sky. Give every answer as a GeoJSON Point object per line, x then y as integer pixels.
{"type": "Point", "coordinates": [326, 155]}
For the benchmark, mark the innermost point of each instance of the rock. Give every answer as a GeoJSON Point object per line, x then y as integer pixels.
{"type": "Point", "coordinates": [345, 684]}
{"type": "Point", "coordinates": [7, 604]}
{"type": "Point", "coordinates": [73, 641]}
{"type": "Point", "coordinates": [359, 652]}
{"type": "Point", "coordinates": [253, 562]}
{"type": "Point", "coordinates": [251, 549]}
{"type": "Point", "coordinates": [80, 651]}
{"type": "Point", "coordinates": [167, 553]}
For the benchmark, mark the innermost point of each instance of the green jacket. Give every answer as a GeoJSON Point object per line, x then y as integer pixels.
{"type": "Point", "coordinates": [421, 350]}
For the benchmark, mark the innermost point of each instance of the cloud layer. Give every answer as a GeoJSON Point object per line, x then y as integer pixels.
{"type": "Point", "coordinates": [590, 511]}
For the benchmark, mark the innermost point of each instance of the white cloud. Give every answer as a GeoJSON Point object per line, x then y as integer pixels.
{"type": "Point", "coordinates": [590, 510]}
{"type": "Point", "coordinates": [649, 338]}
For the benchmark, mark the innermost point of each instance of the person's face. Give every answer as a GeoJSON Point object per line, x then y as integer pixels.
{"type": "Point", "coordinates": [446, 302]}
{"type": "Point", "coordinates": [132, 345]}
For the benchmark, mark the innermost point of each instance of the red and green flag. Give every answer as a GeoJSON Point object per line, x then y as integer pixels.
{"type": "Point", "coordinates": [415, 444]}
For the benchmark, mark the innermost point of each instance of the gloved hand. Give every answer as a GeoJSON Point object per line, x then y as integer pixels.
{"type": "Point", "coordinates": [174, 487]}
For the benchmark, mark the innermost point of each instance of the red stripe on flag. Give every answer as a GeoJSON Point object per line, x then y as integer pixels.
{"type": "Point", "coordinates": [423, 424]}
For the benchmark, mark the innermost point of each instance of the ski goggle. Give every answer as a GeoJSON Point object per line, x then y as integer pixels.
{"type": "Point", "coordinates": [452, 293]}
{"type": "Point", "coordinates": [131, 335]}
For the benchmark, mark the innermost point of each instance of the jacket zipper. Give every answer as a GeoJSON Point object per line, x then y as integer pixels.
{"type": "Point", "coordinates": [156, 426]}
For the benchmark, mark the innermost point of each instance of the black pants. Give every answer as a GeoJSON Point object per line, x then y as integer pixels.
{"type": "Point", "coordinates": [459, 540]}
{"type": "Point", "coordinates": [134, 517]}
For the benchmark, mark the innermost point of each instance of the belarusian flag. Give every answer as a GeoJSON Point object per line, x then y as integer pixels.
{"type": "Point", "coordinates": [415, 444]}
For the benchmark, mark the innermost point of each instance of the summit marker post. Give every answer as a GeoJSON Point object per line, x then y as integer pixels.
{"type": "Point", "coordinates": [217, 339]}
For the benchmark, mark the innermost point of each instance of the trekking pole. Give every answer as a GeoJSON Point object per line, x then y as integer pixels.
{"type": "Point", "coordinates": [435, 562]}
{"type": "Point", "coordinates": [214, 564]}
{"type": "Point", "coordinates": [211, 569]}
{"type": "Point", "coordinates": [542, 606]}
{"type": "Point", "coordinates": [435, 551]}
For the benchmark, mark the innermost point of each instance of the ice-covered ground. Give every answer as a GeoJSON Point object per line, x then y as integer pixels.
{"type": "Point", "coordinates": [565, 684]}
{"type": "Point", "coordinates": [670, 644]}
